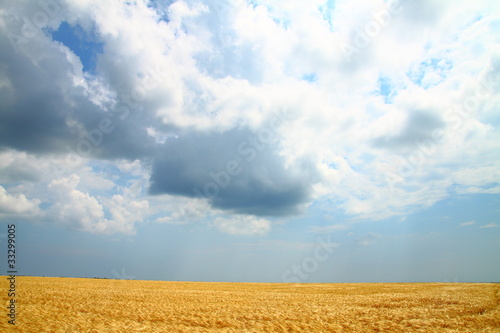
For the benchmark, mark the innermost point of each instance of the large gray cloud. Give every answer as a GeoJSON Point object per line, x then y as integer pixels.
{"type": "Point", "coordinates": [43, 111]}
{"type": "Point", "coordinates": [237, 170]}
{"type": "Point", "coordinates": [33, 110]}
{"type": "Point", "coordinates": [420, 126]}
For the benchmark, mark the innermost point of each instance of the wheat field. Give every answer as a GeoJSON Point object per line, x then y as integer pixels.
{"type": "Point", "coordinates": [99, 305]}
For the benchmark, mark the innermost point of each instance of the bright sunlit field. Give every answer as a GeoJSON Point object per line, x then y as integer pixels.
{"type": "Point", "coordinates": [99, 305]}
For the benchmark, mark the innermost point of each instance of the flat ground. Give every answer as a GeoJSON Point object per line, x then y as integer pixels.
{"type": "Point", "coordinates": [96, 305]}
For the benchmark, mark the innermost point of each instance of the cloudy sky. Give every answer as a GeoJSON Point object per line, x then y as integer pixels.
{"type": "Point", "coordinates": [239, 140]}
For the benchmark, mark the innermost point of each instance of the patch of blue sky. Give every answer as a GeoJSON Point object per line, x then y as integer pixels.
{"type": "Point", "coordinates": [416, 76]}
{"type": "Point", "coordinates": [84, 44]}
{"type": "Point", "coordinates": [385, 86]}
{"type": "Point", "coordinates": [111, 172]}
{"type": "Point", "coordinates": [282, 21]}
{"type": "Point", "coordinates": [326, 11]}
{"type": "Point", "coordinates": [446, 218]}
{"type": "Point", "coordinates": [45, 205]}
{"type": "Point", "coordinates": [490, 186]}
{"type": "Point", "coordinates": [253, 3]}
{"type": "Point", "coordinates": [386, 89]}
{"type": "Point", "coordinates": [310, 77]}
{"type": "Point", "coordinates": [161, 8]}
{"type": "Point", "coordinates": [436, 66]}
{"type": "Point", "coordinates": [447, 215]}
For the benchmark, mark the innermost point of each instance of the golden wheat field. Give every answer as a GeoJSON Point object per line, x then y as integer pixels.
{"type": "Point", "coordinates": [98, 305]}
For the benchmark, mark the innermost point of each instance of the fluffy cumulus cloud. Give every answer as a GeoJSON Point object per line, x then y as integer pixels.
{"type": "Point", "coordinates": [237, 113]}
{"type": "Point", "coordinates": [17, 204]}
{"type": "Point", "coordinates": [85, 212]}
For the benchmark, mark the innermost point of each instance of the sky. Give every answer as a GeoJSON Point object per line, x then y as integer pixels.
{"type": "Point", "coordinates": [252, 141]}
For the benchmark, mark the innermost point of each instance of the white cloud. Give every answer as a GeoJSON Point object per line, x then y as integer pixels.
{"type": "Point", "coordinates": [491, 225]}
{"type": "Point", "coordinates": [242, 225]}
{"type": "Point", "coordinates": [80, 210]}
{"type": "Point", "coordinates": [465, 224]}
{"type": "Point", "coordinates": [17, 205]}
{"type": "Point", "coordinates": [18, 166]}
{"type": "Point", "coordinates": [125, 213]}
{"type": "Point", "coordinates": [186, 211]}
{"type": "Point", "coordinates": [75, 208]}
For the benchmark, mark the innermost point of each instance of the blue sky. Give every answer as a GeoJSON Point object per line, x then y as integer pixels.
{"type": "Point", "coordinates": [268, 141]}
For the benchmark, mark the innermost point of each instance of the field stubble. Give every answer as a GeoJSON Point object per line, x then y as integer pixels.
{"type": "Point", "coordinates": [98, 305]}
